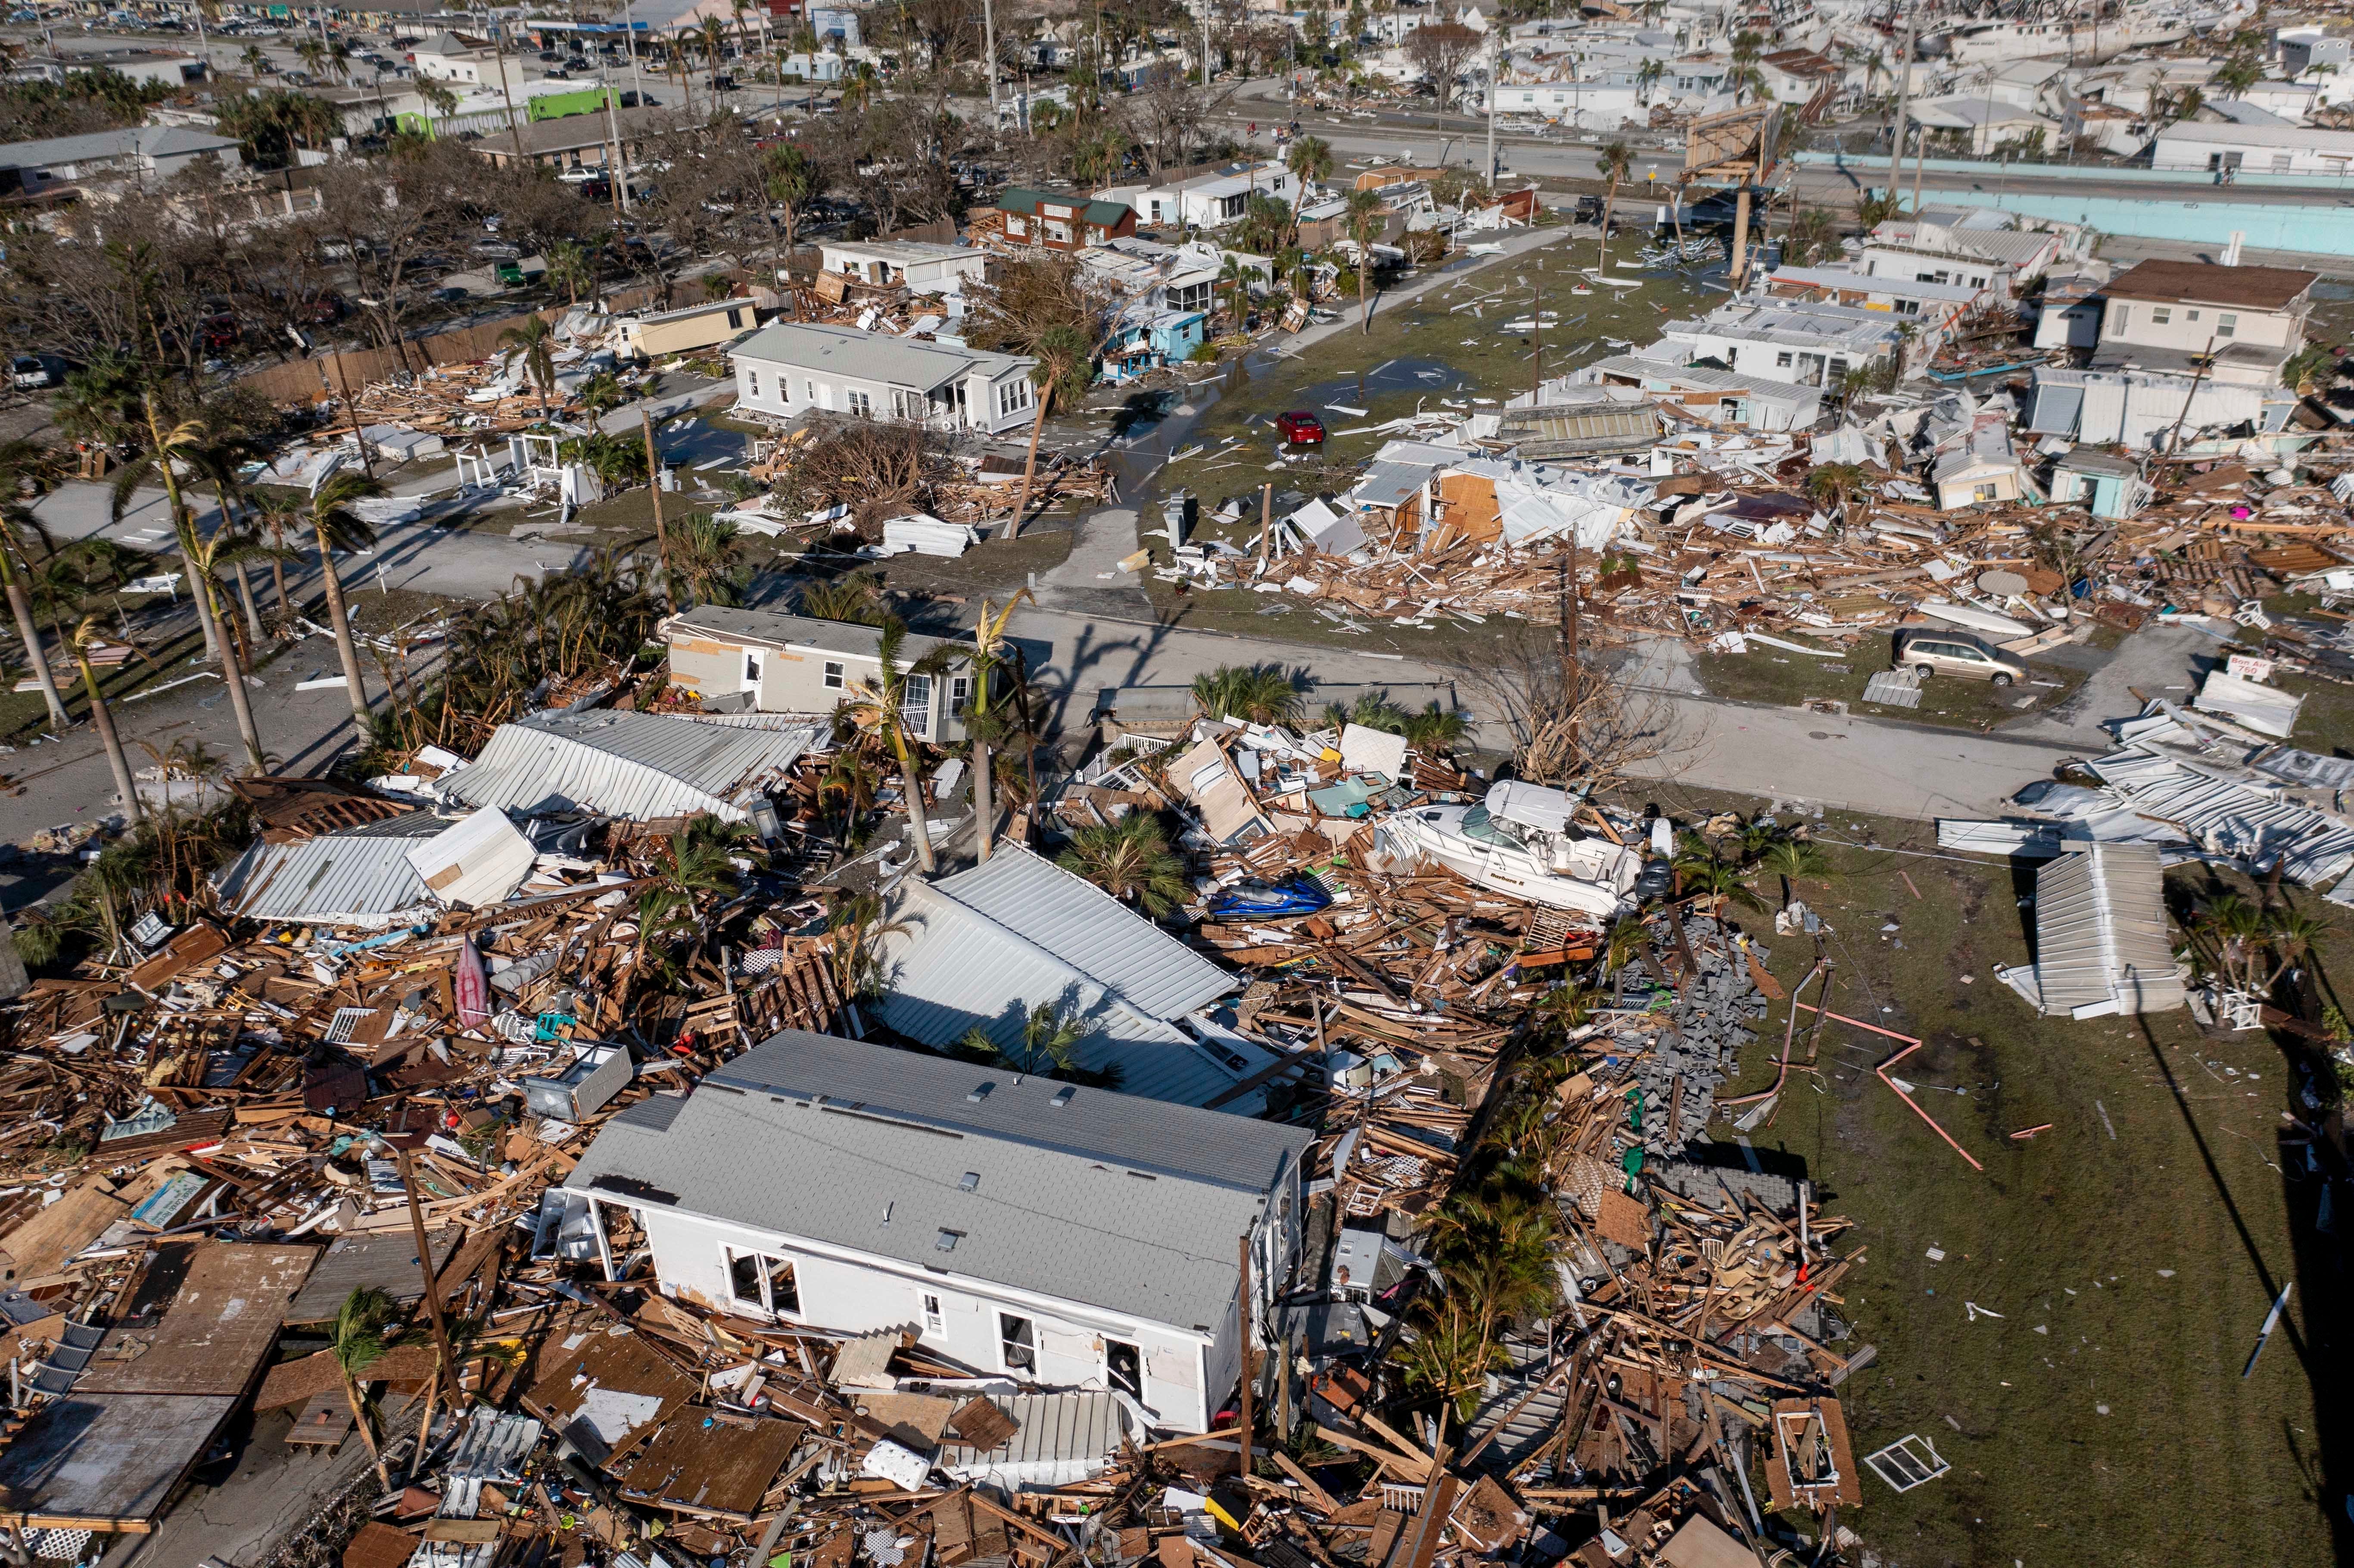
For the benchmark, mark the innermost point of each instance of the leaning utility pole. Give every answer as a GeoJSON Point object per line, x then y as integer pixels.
{"type": "Point", "coordinates": [1495, 77]}
{"type": "Point", "coordinates": [989, 42]}
{"type": "Point", "coordinates": [654, 482]}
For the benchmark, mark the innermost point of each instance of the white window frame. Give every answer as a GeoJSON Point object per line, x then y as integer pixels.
{"type": "Point", "coordinates": [915, 704]}
{"type": "Point", "coordinates": [837, 674]}
{"type": "Point", "coordinates": [728, 1257]}
{"type": "Point", "coordinates": [752, 381]}
{"type": "Point", "coordinates": [2161, 315]}
{"type": "Point", "coordinates": [960, 692]}
{"type": "Point", "coordinates": [752, 667]}
{"type": "Point", "coordinates": [2227, 323]}
{"type": "Point", "coordinates": [936, 1321]}
{"type": "Point", "coordinates": [858, 403]}
{"type": "Point", "coordinates": [1007, 1363]}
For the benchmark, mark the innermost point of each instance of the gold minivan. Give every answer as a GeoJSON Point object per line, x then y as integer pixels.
{"type": "Point", "coordinates": [1933, 650]}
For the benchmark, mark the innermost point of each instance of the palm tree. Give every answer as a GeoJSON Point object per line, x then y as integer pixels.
{"type": "Point", "coordinates": [86, 635]}
{"type": "Point", "coordinates": [1791, 859]}
{"type": "Point", "coordinates": [1050, 1037]}
{"type": "Point", "coordinates": [854, 943]}
{"type": "Point", "coordinates": [2238, 930]}
{"type": "Point", "coordinates": [568, 264]}
{"type": "Point", "coordinates": [1365, 220]}
{"type": "Point", "coordinates": [17, 459]}
{"type": "Point", "coordinates": [692, 862]}
{"type": "Point", "coordinates": [986, 656]}
{"type": "Point", "coordinates": [1614, 162]}
{"type": "Point", "coordinates": [715, 43]}
{"type": "Point", "coordinates": [791, 180]}
{"type": "Point", "coordinates": [277, 521]}
{"type": "Point", "coordinates": [2291, 934]}
{"type": "Point", "coordinates": [1647, 77]}
{"type": "Point", "coordinates": [1261, 694]}
{"type": "Point", "coordinates": [1812, 234]}
{"type": "Point", "coordinates": [1129, 859]}
{"type": "Point", "coordinates": [852, 598]}
{"type": "Point", "coordinates": [254, 60]}
{"type": "Point", "coordinates": [536, 340]}
{"type": "Point", "coordinates": [1309, 158]}
{"type": "Point", "coordinates": [336, 526]}
{"type": "Point", "coordinates": [1232, 279]}
{"type": "Point", "coordinates": [309, 51]}
{"type": "Point", "coordinates": [219, 462]}
{"type": "Point", "coordinates": [1064, 368]}
{"type": "Point", "coordinates": [167, 451]}
{"type": "Point", "coordinates": [1707, 877]}
{"type": "Point", "coordinates": [356, 1342]}
{"type": "Point", "coordinates": [878, 705]}
{"type": "Point", "coordinates": [1434, 730]}
{"type": "Point", "coordinates": [707, 554]}
{"type": "Point", "coordinates": [1834, 484]}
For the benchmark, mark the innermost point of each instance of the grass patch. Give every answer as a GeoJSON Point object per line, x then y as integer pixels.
{"type": "Point", "coordinates": [2132, 1271]}
{"type": "Point", "coordinates": [1771, 675]}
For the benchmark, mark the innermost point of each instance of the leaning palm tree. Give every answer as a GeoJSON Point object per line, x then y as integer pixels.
{"type": "Point", "coordinates": [356, 1342]}
{"type": "Point", "coordinates": [1792, 859]}
{"type": "Point", "coordinates": [1064, 367]}
{"type": "Point", "coordinates": [536, 340]}
{"type": "Point", "coordinates": [1834, 484]}
{"type": "Point", "coordinates": [568, 264]}
{"type": "Point", "coordinates": [878, 705]}
{"type": "Point", "coordinates": [85, 637]}
{"type": "Point", "coordinates": [336, 526]}
{"type": "Point", "coordinates": [1129, 859]}
{"type": "Point", "coordinates": [169, 449]}
{"type": "Point", "coordinates": [17, 520]}
{"type": "Point", "coordinates": [1365, 220]}
{"type": "Point", "coordinates": [988, 653]}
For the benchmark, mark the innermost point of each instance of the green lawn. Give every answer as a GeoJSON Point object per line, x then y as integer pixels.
{"type": "Point", "coordinates": [1770, 675]}
{"type": "Point", "coordinates": [2132, 1249]}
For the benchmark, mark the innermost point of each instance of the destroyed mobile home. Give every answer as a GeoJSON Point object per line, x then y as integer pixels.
{"type": "Point", "coordinates": [658, 1132]}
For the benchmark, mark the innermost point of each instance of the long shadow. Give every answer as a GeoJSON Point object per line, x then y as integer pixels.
{"type": "Point", "coordinates": [2314, 1181]}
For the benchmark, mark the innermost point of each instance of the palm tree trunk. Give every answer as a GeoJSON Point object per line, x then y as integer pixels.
{"type": "Point", "coordinates": [115, 760]}
{"type": "Point", "coordinates": [1602, 251]}
{"type": "Point", "coordinates": [917, 823]}
{"type": "Point", "coordinates": [240, 701]}
{"type": "Point", "coordinates": [359, 1415]}
{"type": "Point", "coordinates": [278, 583]}
{"type": "Point", "coordinates": [245, 598]}
{"type": "Point", "coordinates": [20, 605]}
{"type": "Point", "coordinates": [1029, 466]}
{"type": "Point", "coordinates": [984, 798]}
{"type": "Point", "coordinates": [341, 625]}
{"type": "Point", "coordinates": [1364, 270]}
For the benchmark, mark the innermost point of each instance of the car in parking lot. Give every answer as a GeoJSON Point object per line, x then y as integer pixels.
{"type": "Point", "coordinates": [1936, 650]}
{"type": "Point", "coordinates": [1299, 428]}
{"type": "Point", "coordinates": [31, 372]}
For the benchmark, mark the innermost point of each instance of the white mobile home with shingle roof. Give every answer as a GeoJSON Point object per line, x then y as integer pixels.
{"type": "Point", "coordinates": [1063, 1236]}
{"type": "Point", "coordinates": [791, 368]}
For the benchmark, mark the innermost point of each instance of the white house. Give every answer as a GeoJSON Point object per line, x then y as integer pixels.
{"type": "Point", "coordinates": [173, 68]}
{"type": "Point", "coordinates": [1061, 1235]}
{"type": "Point", "coordinates": [789, 369]}
{"type": "Point", "coordinates": [775, 663]}
{"type": "Point", "coordinates": [922, 268]}
{"type": "Point", "coordinates": [1981, 123]}
{"type": "Point", "coordinates": [1798, 341]}
{"type": "Point", "coordinates": [1600, 104]}
{"type": "Point", "coordinates": [2254, 149]}
{"type": "Point", "coordinates": [1207, 203]}
{"type": "Point", "coordinates": [445, 57]}
{"type": "Point", "coordinates": [1998, 259]}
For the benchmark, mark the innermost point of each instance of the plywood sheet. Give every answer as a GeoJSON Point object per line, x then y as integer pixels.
{"type": "Point", "coordinates": [217, 1332]}
{"type": "Point", "coordinates": [105, 1460]}
{"type": "Point", "coordinates": [719, 1468]}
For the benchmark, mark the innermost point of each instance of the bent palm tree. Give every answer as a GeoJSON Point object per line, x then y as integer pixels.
{"type": "Point", "coordinates": [1614, 162]}
{"type": "Point", "coordinates": [85, 636]}
{"type": "Point", "coordinates": [1065, 367]}
{"type": "Point", "coordinates": [880, 706]}
{"type": "Point", "coordinates": [1050, 1038]}
{"type": "Point", "coordinates": [356, 1342]}
{"type": "Point", "coordinates": [336, 526]}
{"type": "Point", "coordinates": [15, 519]}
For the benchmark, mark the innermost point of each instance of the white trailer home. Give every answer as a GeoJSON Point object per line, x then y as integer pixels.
{"type": "Point", "coordinates": [1066, 1236]}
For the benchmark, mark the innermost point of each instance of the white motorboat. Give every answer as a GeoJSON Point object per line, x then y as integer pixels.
{"type": "Point", "coordinates": [1522, 840]}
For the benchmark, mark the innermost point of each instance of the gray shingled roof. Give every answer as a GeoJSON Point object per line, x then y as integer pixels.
{"type": "Point", "coordinates": [776, 629]}
{"type": "Point", "coordinates": [1125, 1204]}
{"type": "Point", "coordinates": [868, 356]}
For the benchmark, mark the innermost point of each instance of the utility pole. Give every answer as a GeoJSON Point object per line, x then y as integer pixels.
{"type": "Point", "coordinates": [619, 167]}
{"type": "Point", "coordinates": [1536, 322]}
{"type": "Point", "coordinates": [499, 51]}
{"type": "Point", "coordinates": [637, 76]}
{"type": "Point", "coordinates": [1495, 80]}
{"type": "Point", "coordinates": [987, 41]}
{"type": "Point", "coordinates": [1903, 101]}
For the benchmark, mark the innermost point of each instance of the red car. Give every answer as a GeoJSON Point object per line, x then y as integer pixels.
{"type": "Point", "coordinates": [1300, 430]}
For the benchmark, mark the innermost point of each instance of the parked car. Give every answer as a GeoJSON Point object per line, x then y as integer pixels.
{"type": "Point", "coordinates": [1933, 650]}
{"type": "Point", "coordinates": [31, 372]}
{"type": "Point", "coordinates": [1299, 428]}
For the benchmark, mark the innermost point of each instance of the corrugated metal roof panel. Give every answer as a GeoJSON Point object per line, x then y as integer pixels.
{"type": "Point", "coordinates": [1090, 930]}
{"type": "Point", "coordinates": [866, 1148]}
{"type": "Point", "coordinates": [2101, 932]}
{"type": "Point", "coordinates": [949, 969]}
{"type": "Point", "coordinates": [1062, 1438]}
{"type": "Point", "coordinates": [631, 765]}
{"type": "Point", "coordinates": [361, 876]}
